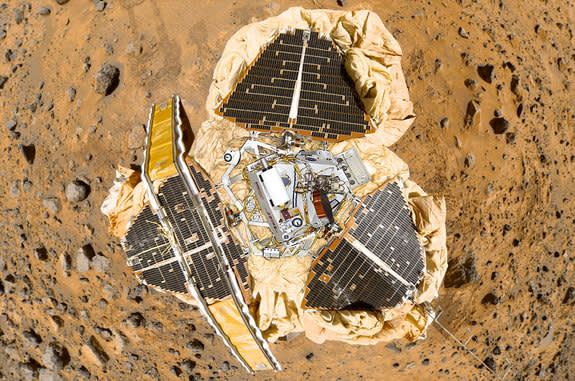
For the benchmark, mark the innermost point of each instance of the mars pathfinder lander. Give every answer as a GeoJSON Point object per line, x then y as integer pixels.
{"type": "Point", "coordinates": [296, 94]}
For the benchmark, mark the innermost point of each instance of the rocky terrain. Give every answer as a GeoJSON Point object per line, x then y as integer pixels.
{"type": "Point", "coordinates": [492, 83]}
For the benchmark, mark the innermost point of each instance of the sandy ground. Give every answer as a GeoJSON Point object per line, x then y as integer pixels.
{"type": "Point", "coordinates": [509, 195]}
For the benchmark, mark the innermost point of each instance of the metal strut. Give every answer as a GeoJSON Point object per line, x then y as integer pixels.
{"type": "Point", "coordinates": [231, 281]}
{"type": "Point", "coordinates": [162, 216]}
{"type": "Point", "coordinates": [434, 319]}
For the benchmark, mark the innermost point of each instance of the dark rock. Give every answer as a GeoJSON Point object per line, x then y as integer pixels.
{"type": "Point", "coordinates": [158, 326]}
{"type": "Point", "coordinates": [11, 124]}
{"type": "Point", "coordinates": [499, 125]}
{"type": "Point", "coordinates": [461, 271]}
{"type": "Point", "coordinates": [134, 48]}
{"type": "Point", "coordinates": [563, 64]}
{"type": "Point", "coordinates": [515, 85]}
{"type": "Point", "coordinates": [10, 283]}
{"type": "Point", "coordinates": [96, 351]}
{"type": "Point", "coordinates": [136, 319]}
{"type": "Point", "coordinates": [29, 152]}
{"type": "Point", "coordinates": [77, 191]}
{"type": "Point", "coordinates": [44, 11]}
{"type": "Point", "coordinates": [490, 298]}
{"type": "Point", "coordinates": [18, 15]}
{"type": "Point", "coordinates": [71, 94]}
{"type": "Point", "coordinates": [10, 55]}
{"type": "Point", "coordinates": [29, 370]}
{"type": "Point", "coordinates": [393, 347]}
{"type": "Point", "coordinates": [470, 83]}
{"type": "Point", "coordinates": [2, 36]}
{"type": "Point", "coordinates": [466, 58]}
{"type": "Point", "coordinates": [438, 65]}
{"type": "Point", "coordinates": [109, 48]}
{"type": "Point", "coordinates": [57, 320]}
{"type": "Point", "coordinates": [137, 137]}
{"type": "Point", "coordinates": [444, 123]}
{"type": "Point", "coordinates": [107, 79]}
{"type": "Point", "coordinates": [510, 66]}
{"type": "Point", "coordinates": [65, 262]}
{"type": "Point", "coordinates": [188, 365]}
{"type": "Point", "coordinates": [55, 356]}
{"type": "Point", "coordinates": [52, 204]}
{"type": "Point", "coordinates": [41, 253]}
{"type": "Point", "coordinates": [138, 291]}
{"type": "Point", "coordinates": [469, 160]}
{"type": "Point", "coordinates": [425, 362]}
{"type": "Point", "coordinates": [225, 366]}
{"type": "Point", "coordinates": [569, 296]}
{"type": "Point", "coordinates": [62, 2]}
{"type": "Point", "coordinates": [196, 346]}
{"type": "Point", "coordinates": [309, 356]}
{"type": "Point", "coordinates": [104, 332]}
{"type": "Point", "coordinates": [408, 346]}
{"type": "Point", "coordinates": [3, 81]}
{"type": "Point", "coordinates": [83, 372]}
{"type": "Point", "coordinates": [31, 338]}
{"type": "Point", "coordinates": [175, 371]}
{"type": "Point", "coordinates": [83, 258]}
{"type": "Point", "coordinates": [462, 32]}
{"type": "Point", "coordinates": [153, 373]}
{"type": "Point", "coordinates": [341, 3]}
{"type": "Point", "coordinates": [486, 72]}
{"type": "Point", "coordinates": [100, 5]}
{"type": "Point", "coordinates": [490, 362]}
{"type": "Point", "coordinates": [472, 115]}
{"type": "Point", "coordinates": [15, 189]}
{"type": "Point", "coordinates": [510, 137]}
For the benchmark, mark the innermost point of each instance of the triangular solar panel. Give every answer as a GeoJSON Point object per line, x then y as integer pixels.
{"type": "Point", "coordinates": [377, 263]}
{"type": "Point", "coordinates": [298, 83]}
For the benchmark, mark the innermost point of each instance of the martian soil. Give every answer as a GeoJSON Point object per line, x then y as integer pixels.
{"type": "Point", "coordinates": [492, 82]}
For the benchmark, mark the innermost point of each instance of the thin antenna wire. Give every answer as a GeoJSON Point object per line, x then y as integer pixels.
{"type": "Point", "coordinates": [434, 318]}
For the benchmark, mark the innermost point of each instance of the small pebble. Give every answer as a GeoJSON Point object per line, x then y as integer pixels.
{"type": "Point", "coordinates": [100, 6]}
{"type": "Point", "coordinates": [11, 124]}
{"type": "Point", "coordinates": [77, 191]}
{"type": "Point", "coordinates": [44, 11]}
